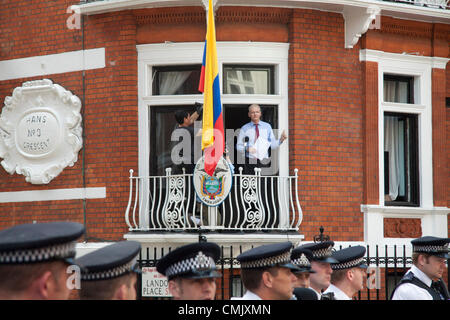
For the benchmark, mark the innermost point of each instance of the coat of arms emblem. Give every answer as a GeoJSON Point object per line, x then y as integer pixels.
{"type": "Point", "coordinates": [212, 190]}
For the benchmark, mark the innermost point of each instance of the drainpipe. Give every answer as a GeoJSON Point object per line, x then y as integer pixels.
{"type": "Point", "coordinates": [83, 168]}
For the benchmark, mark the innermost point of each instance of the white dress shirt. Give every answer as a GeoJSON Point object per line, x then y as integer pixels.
{"type": "Point", "coordinates": [338, 293]}
{"type": "Point", "coordinates": [409, 291]}
{"type": "Point", "coordinates": [248, 131]}
{"type": "Point", "coordinates": [247, 296]}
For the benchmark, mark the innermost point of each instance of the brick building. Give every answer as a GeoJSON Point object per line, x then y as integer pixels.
{"type": "Point", "coordinates": [362, 88]}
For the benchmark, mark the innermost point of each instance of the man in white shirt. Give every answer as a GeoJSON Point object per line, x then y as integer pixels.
{"type": "Point", "coordinates": [191, 271]}
{"type": "Point", "coordinates": [320, 264]}
{"type": "Point", "coordinates": [266, 272]}
{"type": "Point", "coordinates": [35, 259]}
{"type": "Point", "coordinates": [348, 274]}
{"type": "Point", "coordinates": [111, 272]}
{"type": "Point", "coordinates": [301, 258]}
{"type": "Point", "coordinates": [424, 280]}
{"type": "Point", "coordinates": [248, 137]}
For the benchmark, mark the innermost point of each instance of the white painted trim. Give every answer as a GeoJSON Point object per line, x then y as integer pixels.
{"type": "Point", "coordinates": [404, 58]}
{"type": "Point", "coordinates": [356, 22]}
{"type": "Point", "coordinates": [401, 10]}
{"type": "Point", "coordinates": [405, 212]}
{"type": "Point", "coordinates": [83, 248]}
{"type": "Point", "coordinates": [434, 222]}
{"type": "Point", "coordinates": [222, 238]}
{"type": "Point", "coordinates": [439, 63]}
{"type": "Point", "coordinates": [54, 194]}
{"type": "Point", "coordinates": [420, 68]}
{"type": "Point", "coordinates": [236, 241]}
{"type": "Point", "coordinates": [434, 219]}
{"type": "Point", "coordinates": [52, 64]}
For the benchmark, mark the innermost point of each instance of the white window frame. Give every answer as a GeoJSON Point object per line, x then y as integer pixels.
{"type": "Point", "coordinates": [421, 72]}
{"type": "Point", "coordinates": [165, 54]}
{"type": "Point", "coordinates": [434, 219]}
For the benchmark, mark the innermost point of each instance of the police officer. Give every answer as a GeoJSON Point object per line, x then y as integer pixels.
{"type": "Point", "coordinates": [266, 272]}
{"type": "Point", "coordinates": [424, 280]}
{"type": "Point", "coordinates": [301, 258]}
{"type": "Point", "coordinates": [348, 274]}
{"type": "Point", "coordinates": [191, 271]}
{"type": "Point", "coordinates": [34, 260]}
{"type": "Point", "coordinates": [110, 273]}
{"type": "Point", "coordinates": [320, 263]}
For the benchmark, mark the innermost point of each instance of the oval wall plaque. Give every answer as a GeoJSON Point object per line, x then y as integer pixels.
{"type": "Point", "coordinates": [40, 131]}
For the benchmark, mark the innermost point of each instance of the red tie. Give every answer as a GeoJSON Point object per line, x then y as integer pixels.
{"type": "Point", "coordinates": [257, 132]}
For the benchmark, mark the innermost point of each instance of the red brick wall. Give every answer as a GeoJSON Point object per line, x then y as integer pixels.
{"type": "Point", "coordinates": [109, 113]}
{"type": "Point", "coordinates": [35, 27]}
{"type": "Point", "coordinates": [440, 172]}
{"type": "Point", "coordinates": [447, 139]}
{"type": "Point", "coordinates": [31, 28]}
{"type": "Point", "coordinates": [331, 108]}
{"type": "Point", "coordinates": [325, 125]}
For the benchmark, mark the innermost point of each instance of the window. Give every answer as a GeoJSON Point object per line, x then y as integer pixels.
{"type": "Point", "coordinates": [398, 89]}
{"type": "Point", "coordinates": [176, 80]}
{"type": "Point", "coordinates": [401, 185]}
{"type": "Point", "coordinates": [409, 108]}
{"type": "Point", "coordinates": [168, 78]}
{"type": "Point", "coordinates": [163, 120]}
{"type": "Point", "coordinates": [183, 80]}
{"type": "Point", "coordinates": [400, 144]}
{"type": "Point", "coordinates": [240, 79]}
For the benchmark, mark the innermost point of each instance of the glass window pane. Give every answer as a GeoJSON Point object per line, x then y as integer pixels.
{"type": "Point", "coordinates": [400, 152]}
{"type": "Point", "coordinates": [163, 123]}
{"type": "Point", "coordinates": [176, 80]}
{"type": "Point", "coordinates": [398, 89]}
{"type": "Point", "coordinates": [248, 79]}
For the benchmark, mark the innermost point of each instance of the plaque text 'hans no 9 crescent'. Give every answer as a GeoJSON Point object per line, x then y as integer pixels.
{"type": "Point", "coordinates": [40, 131]}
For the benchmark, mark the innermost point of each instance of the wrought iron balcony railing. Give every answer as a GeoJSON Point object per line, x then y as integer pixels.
{"type": "Point", "coordinates": [437, 4]}
{"type": "Point", "coordinates": [168, 203]}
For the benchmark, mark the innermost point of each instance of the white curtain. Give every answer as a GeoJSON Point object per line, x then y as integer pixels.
{"type": "Point", "coordinates": [391, 145]}
{"type": "Point", "coordinates": [170, 82]}
{"type": "Point", "coordinates": [260, 79]}
{"type": "Point", "coordinates": [395, 91]}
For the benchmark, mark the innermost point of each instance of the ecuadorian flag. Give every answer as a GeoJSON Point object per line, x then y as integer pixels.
{"type": "Point", "coordinates": [213, 138]}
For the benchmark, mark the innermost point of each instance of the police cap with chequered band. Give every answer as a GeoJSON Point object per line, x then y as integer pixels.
{"type": "Point", "coordinates": [301, 258]}
{"type": "Point", "coordinates": [110, 262]}
{"type": "Point", "coordinates": [39, 242]}
{"type": "Point", "coordinates": [321, 251]}
{"type": "Point", "coordinates": [191, 261]}
{"type": "Point", "coordinates": [268, 256]}
{"type": "Point", "coordinates": [432, 245]}
{"type": "Point", "coordinates": [348, 258]}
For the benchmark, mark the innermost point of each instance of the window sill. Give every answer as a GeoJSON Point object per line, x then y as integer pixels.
{"type": "Point", "coordinates": [402, 211]}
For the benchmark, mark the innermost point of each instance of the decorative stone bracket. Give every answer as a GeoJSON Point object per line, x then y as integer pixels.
{"type": "Point", "coordinates": [357, 22]}
{"type": "Point", "coordinates": [40, 131]}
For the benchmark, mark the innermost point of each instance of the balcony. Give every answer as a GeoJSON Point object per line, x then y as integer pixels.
{"type": "Point", "coordinates": [256, 203]}
{"type": "Point", "coordinates": [436, 4]}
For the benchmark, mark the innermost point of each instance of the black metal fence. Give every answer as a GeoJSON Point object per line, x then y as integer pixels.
{"type": "Point", "coordinates": [387, 265]}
